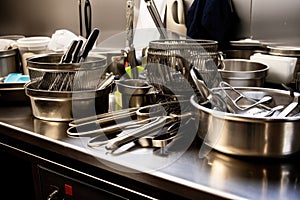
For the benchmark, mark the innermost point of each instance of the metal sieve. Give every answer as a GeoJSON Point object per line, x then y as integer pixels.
{"type": "Point", "coordinates": [169, 63]}
{"type": "Point", "coordinates": [50, 74]}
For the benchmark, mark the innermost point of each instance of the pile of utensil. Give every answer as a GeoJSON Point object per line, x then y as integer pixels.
{"type": "Point", "coordinates": [227, 98]}
{"type": "Point", "coordinates": [258, 128]}
{"type": "Point", "coordinates": [154, 126]}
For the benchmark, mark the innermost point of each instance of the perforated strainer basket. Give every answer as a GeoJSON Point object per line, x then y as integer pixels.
{"type": "Point", "coordinates": [169, 63]}
{"type": "Point", "coordinates": [51, 75]}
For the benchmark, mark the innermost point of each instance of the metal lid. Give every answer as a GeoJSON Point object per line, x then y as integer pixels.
{"type": "Point", "coordinates": [246, 44]}
{"type": "Point", "coordinates": [284, 50]}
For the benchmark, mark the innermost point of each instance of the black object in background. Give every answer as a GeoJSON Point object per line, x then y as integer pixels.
{"type": "Point", "coordinates": [211, 19]}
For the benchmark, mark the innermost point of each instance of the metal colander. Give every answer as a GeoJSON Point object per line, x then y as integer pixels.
{"type": "Point", "coordinates": [169, 63]}
{"type": "Point", "coordinates": [49, 74]}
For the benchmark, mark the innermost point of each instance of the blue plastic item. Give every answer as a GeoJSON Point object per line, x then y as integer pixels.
{"type": "Point", "coordinates": [17, 78]}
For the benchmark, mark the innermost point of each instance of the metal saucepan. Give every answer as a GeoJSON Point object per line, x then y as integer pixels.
{"type": "Point", "coordinates": [134, 93]}
{"type": "Point", "coordinates": [244, 72]}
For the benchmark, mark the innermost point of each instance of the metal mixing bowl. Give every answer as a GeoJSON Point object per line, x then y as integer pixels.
{"type": "Point", "coordinates": [67, 105]}
{"type": "Point", "coordinates": [134, 93]}
{"type": "Point", "coordinates": [244, 72]}
{"type": "Point", "coordinates": [238, 54]}
{"type": "Point", "coordinates": [251, 136]}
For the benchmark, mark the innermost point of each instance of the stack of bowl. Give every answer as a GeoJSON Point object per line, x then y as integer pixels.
{"type": "Point", "coordinates": [64, 91]}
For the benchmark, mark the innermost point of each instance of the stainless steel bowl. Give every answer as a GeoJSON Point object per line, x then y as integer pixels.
{"type": "Point", "coordinates": [67, 105]}
{"type": "Point", "coordinates": [251, 136]}
{"type": "Point", "coordinates": [9, 61]}
{"type": "Point", "coordinates": [134, 93]}
{"type": "Point", "coordinates": [244, 72]}
{"type": "Point", "coordinates": [239, 53]}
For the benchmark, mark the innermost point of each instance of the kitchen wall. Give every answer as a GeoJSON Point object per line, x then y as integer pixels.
{"type": "Point", "coordinates": [276, 21]}
{"type": "Point", "coordinates": [266, 20]}
{"type": "Point", "coordinates": [43, 17]}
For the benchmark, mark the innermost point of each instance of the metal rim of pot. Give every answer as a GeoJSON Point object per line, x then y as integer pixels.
{"type": "Point", "coordinates": [133, 86]}
{"type": "Point", "coordinates": [284, 50]}
{"type": "Point", "coordinates": [250, 73]}
{"type": "Point", "coordinates": [173, 44]}
{"type": "Point", "coordinates": [242, 118]}
{"type": "Point", "coordinates": [82, 94]}
{"type": "Point", "coordinates": [38, 63]}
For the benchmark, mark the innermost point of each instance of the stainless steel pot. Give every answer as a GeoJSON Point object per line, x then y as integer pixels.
{"type": "Point", "coordinates": [67, 105]}
{"type": "Point", "coordinates": [250, 136]}
{"type": "Point", "coordinates": [244, 72]}
{"type": "Point", "coordinates": [9, 61]}
{"type": "Point", "coordinates": [115, 59]}
{"type": "Point", "coordinates": [134, 93]}
{"type": "Point", "coordinates": [287, 51]}
{"type": "Point", "coordinates": [239, 53]}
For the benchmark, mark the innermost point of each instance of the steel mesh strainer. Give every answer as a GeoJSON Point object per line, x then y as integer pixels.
{"type": "Point", "coordinates": [169, 63]}
{"type": "Point", "coordinates": [52, 75]}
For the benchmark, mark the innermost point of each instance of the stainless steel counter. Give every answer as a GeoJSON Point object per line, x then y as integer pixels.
{"type": "Point", "coordinates": [217, 174]}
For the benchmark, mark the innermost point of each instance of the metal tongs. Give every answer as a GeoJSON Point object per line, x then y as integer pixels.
{"type": "Point", "coordinates": [214, 98]}
{"type": "Point", "coordinates": [242, 104]}
{"type": "Point", "coordinates": [158, 139]}
{"type": "Point", "coordinates": [141, 122]}
{"type": "Point", "coordinates": [235, 97]}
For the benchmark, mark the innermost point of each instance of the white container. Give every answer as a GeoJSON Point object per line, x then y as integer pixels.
{"type": "Point", "coordinates": [281, 68]}
{"type": "Point", "coordinates": [31, 46]}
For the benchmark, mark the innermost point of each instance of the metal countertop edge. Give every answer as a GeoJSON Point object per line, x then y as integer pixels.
{"type": "Point", "coordinates": [156, 173]}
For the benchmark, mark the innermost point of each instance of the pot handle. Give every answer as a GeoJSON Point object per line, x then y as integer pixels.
{"type": "Point", "coordinates": [176, 6]}
{"type": "Point", "coordinates": [220, 60]}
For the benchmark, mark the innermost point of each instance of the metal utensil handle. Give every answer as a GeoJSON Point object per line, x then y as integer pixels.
{"type": "Point", "coordinates": [88, 45]}
{"type": "Point", "coordinates": [129, 22]}
{"type": "Point", "coordinates": [75, 55]}
{"type": "Point", "coordinates": [156, 18]}
{"type": "Point", "coordinates": [215, 99]}
{"type": "Point", "coordinates": [106, 130]}
{"type": "Point", "coordinates": [88, 17]}
{"type": "Point", "coordinates": [120, 126]}
{"type": "Point", "coordinates": [201, 86]}
{"type": "Point", "coordinates": [288, 109]}
{"type": "Point", "coordinates": [119, 114]}
{"type": "Point", "coordinates": [92, 119]}
{"type": "Point", "coordinates": [259, 102]}
{"type": "Point", "coordinates": [138, 133]}
{"type": "Point", "coordinates": [105, 120]}
{"type": "Point", "coordinates": [240, 96]}
{"type": "Point", "coordinates": [106, 82]}
{"type": "Point", "coordinates": [67, 57]}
